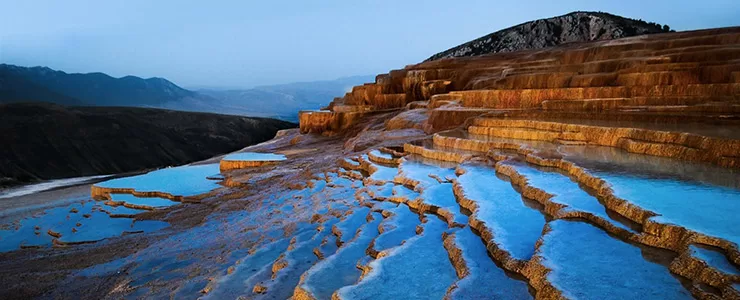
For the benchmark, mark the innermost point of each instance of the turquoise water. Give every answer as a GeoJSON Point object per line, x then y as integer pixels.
{"type": "Point", "coordinates": [349, 225]}
{"type": "Point", "coordinates": [564, 191]}
{"type": "Point", "coordinates": [90, 221]}
{"type": "Point", "coordinates": [486, 280]}
{"type": "Point", "coordinates": [515, 226]}
{"type": "Point", "coordinates": [714, 258]}
{"type": "Point", "coordinates": [300, 259]}
{"type": "Point", "coordinates": [352, 162]}
{"type": "Point", "coordinates": [379, 206]}
{"type": "Point", "coordinates": [587, 263]}
{"type": "Point", "coordinates": [84, 221]}
{"type": "Point", "coordinates": [340, 269]}
{"type": "Point", "coordinates": [260, 262]}
{"type": "Point", "coordinates": [383, 173]}
{"type": "Point", "coordinates": [402, 192]}
{"type": "Point", "coordinates": [420, 269]}
{"type": "Point", "coordinates": [441, 195]}
{"type": "Point", "coordinates": [381, 192]}
{"type": "Point", "coordinates": [702, 198]}
{"type": "Point", "coordinates": [177, 181]}
{"type": "Point", "coordinates": [399, 227]}
{"type": "Point", "coordinates": [416, 169]}
{"type": "Point", "coordinates": [380, 154]}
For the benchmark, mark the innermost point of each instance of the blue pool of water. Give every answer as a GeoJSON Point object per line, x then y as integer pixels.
{"type": "Point", "coordinates": [177, 181]}
{"type": "Point", "coordinates": [587, 263]}
{"type": "Point", "coordinates": [699, 197]}
{"type": "Point", "coordinates": [714, 258]}
{"type": "Point", "coordinates": [420, 269]}
{"type": "Point", "coordinates": [84, 221]}
{"type": "Point", "coordinates": [515, 226]}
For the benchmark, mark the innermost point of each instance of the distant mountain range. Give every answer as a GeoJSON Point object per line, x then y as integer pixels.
{"type": "Point", "coordinates": [579, 26]}
{"type": "Point", "coordinates": [20, 84]}
{"type": "Point", "coordinates": [283, 101]}
{"type": "Point", "coordinates": [42, 84]}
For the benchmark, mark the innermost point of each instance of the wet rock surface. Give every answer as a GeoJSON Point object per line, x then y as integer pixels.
{"type": "Point", "coordinates": [517, 200]}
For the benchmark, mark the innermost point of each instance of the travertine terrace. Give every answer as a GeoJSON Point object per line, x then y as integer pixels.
{"type": "Point", "coordinates": [579, 130]}
{"type": "Point", "coordinates": [589, 170]}
{"type": "Point", "coordinates": [249, 160]}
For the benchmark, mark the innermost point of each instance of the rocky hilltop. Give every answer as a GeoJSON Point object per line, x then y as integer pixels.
{"type": "Point", "coordinates": [598, 170]}
{"type": "Point", "coordinates": [578, 26]}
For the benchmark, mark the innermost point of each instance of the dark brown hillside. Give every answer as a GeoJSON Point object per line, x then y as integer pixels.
{"type": "Point", "coordinates": [579, 26]}
{"type": "Point", "coordinates": [44, 141]}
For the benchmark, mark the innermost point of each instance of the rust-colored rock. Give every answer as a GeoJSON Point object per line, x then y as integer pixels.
{"type": "Point", "coordinates": [326, 121]}
{"type": "Point", "coordinates": [259, 289]}
{"type": "Point", "coordinates": [687, 68]}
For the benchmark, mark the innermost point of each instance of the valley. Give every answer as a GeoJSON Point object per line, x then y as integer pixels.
{"type": "Point", "coordinates": [590, 169]}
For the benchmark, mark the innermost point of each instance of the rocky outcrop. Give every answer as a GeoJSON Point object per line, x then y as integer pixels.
{"type": "Point", "coordinates": [326, 121]}
{"type": "Point", "coordinates": [573, 27]}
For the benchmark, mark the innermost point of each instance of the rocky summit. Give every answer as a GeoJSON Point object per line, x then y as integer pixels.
{"type": "Point", "coordinates": [591, 170]}
{"type": "Point", "coordinates": [580, 26]}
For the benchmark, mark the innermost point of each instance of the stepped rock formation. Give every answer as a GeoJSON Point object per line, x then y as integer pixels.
{"type": "Point", "coordinates": [606, 169]}
{"type": "Point", "coordinates": [662, 106]}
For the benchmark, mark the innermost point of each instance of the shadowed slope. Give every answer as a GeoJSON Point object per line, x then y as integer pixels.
{"type": "Point", "coordinates": [48, 141]}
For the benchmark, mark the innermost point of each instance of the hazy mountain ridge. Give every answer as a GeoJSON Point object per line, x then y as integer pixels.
{"type": "Point", "coordinates": [576, 26]}
{"type": "Point", "coordinates": [283, 101]}
{"type": "Point", "coordinates": [95, 89]}
{"type": "Point", "coordinates": [58, 124]}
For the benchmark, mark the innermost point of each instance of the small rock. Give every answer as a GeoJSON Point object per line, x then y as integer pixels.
{"type": "Point", "coordinates": [259, 289]}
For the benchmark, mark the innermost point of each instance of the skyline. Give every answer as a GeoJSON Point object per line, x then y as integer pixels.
{"type": "Point", "coordinates": [241, 45]}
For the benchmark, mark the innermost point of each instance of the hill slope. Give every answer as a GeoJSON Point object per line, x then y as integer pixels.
{"type": "Point", "coordinates": [96, 89]}
{"type": "Point", "coordinates": [543, 33]}
{"type": "Point", "coordinates": [44, 141]}
{"type": "Point", "coordinates": [42, 84]}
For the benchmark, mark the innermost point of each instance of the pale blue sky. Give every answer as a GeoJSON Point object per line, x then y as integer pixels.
{"type": "Point", "coordinates": [244, 43]}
